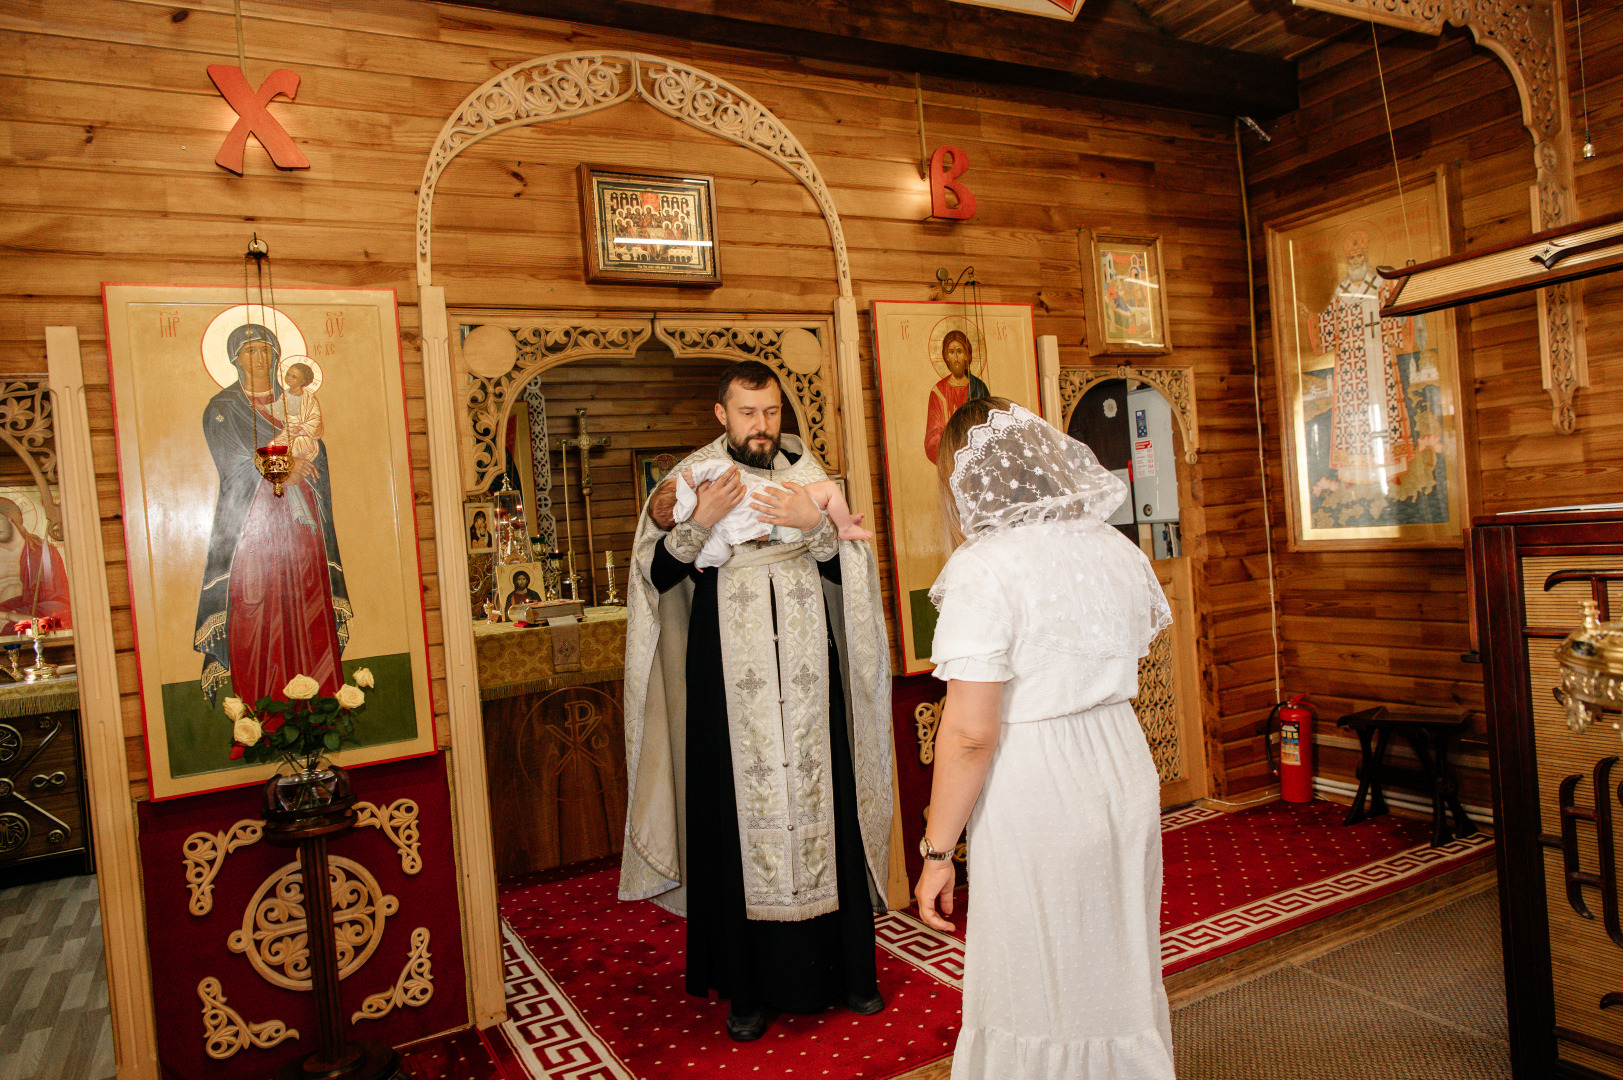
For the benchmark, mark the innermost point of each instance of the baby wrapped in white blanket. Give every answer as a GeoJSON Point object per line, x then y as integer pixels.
{"type": "Point", "coordinates": [743, 522]}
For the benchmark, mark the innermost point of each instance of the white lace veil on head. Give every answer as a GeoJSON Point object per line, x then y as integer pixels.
{"type": "Point", "coordinates": [1018, 469]}
{"type": "Point", "coordinates": [1037, 555]}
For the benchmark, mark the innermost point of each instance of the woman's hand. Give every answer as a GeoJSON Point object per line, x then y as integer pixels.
{"type": "Point", "coordinates": [934, 892]}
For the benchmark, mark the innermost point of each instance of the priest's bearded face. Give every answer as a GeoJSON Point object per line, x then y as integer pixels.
{"type": "Point", "coordinates": [754, 422]}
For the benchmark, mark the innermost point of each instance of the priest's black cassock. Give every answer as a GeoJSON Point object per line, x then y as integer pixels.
{"type": "Point", "coordinates": [790, 966]}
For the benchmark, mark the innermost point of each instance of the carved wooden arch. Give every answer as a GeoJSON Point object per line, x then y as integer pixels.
{"type": "Point", "coordinates": [539, 345]}
{"type": "Point", "coordinates": [1528, 36]}
{"type": "Point", "coordinates": [1176, 384]}
{"type": "Point", "coordinates": [572, 84]}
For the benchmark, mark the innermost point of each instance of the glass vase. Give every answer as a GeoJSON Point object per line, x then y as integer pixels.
{"type": "Point", "coordinates": [312, 788]}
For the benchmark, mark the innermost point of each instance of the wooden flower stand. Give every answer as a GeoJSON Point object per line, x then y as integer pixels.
{"type": "Point", "coordinates": [308, 830]}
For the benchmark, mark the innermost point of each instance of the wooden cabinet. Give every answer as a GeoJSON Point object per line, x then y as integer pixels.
{"type": "Point", "coordinates": [556, 766]}
{"type": "Point", "coordinates": [1556, 794]}
{"type": "Point", "coordinates": [42, 810]}
{"type": "Point", "coordinates": [555, 762]}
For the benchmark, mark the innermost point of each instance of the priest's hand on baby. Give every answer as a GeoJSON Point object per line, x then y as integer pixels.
{"type": "Point", "coordinates": [717, 498]}
{"type": "Point", "coordinates": [792, 508]}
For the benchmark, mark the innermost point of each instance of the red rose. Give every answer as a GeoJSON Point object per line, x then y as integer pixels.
{"type": "Point", "coordinates": [270, 723]}
{"type": "Point", "coordinates": [236, 751]}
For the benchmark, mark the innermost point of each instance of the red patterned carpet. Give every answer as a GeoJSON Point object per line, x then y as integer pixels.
{"type": "Point", "coordinates": [594, 986]}
{"type": "Point", "coordinates": [595, 989]}
{"type": "Point", "coordinates": [1232, 880]}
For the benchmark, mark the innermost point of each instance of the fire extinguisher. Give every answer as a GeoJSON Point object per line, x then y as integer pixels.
{"type": "Point", "coordinates": [1295, 767]}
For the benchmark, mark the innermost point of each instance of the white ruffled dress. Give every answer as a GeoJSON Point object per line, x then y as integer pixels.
{"type": "Point", "coordinates": [1062, 973]}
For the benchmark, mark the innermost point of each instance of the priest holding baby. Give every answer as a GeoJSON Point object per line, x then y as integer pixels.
{"type": "Point", "coordinates": [758, 726]}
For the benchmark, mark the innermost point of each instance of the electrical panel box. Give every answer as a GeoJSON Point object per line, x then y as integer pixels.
{"type": "Point", "coordinates": [1155, 471]}
{"type": "Point", "coordinates": [1124, 512]}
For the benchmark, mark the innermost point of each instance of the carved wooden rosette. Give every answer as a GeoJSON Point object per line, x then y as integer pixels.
{"type": "Point", "coordinates": [1529, 37]}
{"type": "Point", "coordinates": [273, 931]}
{"type": "Point", "coordinates": [1176, 384]}
{"type": "Point", "coordinates": [275, 923]}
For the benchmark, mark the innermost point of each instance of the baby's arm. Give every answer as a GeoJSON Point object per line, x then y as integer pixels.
{"type": "Point", "coordinates": [826, 494]}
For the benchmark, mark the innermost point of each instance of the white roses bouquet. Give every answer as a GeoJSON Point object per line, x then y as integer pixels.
{"type": "Point", "coordinates": [299, 727]}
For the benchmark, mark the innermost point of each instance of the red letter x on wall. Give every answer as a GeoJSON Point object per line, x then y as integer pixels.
{"type": "Point", "coordinates": [252, 116]}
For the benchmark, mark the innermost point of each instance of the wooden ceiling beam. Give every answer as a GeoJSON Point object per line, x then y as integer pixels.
{"type": "Point", "coordinates": [1094, 56]}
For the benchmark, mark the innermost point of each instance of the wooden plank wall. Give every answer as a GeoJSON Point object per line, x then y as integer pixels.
{"type": "Point", "coordinates": [1390, 627]}
{"type": "Point", "coordinates": [110, 127]}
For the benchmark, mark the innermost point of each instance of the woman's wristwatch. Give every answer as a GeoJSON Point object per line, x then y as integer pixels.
{"type": "Point", "coordinates": [931, 853]}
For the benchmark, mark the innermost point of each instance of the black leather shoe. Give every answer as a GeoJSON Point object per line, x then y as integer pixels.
{"type": "Point", "coordinates": [746, 1028]}
{"type": "Point", "coordinates": [864, 1006]}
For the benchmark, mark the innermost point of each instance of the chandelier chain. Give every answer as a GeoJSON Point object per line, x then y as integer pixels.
{"type": "Point", "coordinates": [1392, 139]}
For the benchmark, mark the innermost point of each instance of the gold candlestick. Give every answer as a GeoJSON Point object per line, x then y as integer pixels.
{"type": "Point", "coordinates": [40, 670]}
{"type": "Point", "coordinates": [613, 598]}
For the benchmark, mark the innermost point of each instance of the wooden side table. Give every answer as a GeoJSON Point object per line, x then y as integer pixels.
{"type": "Point", "coordinates": [1429, 732]}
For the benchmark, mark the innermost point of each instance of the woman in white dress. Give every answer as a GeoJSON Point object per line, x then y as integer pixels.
{"type": "Point", "coordinates": [1044, 612]}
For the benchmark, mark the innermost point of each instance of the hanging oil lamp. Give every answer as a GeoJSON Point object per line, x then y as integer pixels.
{"type": "Point", "coordinates": [273, 462]}
{"type": "Point", "coordinates": [1591, 661]}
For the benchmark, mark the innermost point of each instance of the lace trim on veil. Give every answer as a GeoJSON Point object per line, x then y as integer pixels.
{"type": "Point", "coordinates": [1038, 558]}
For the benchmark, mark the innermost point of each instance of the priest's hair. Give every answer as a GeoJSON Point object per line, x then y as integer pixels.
{"type": "Point", "coordinates": [751, 374]}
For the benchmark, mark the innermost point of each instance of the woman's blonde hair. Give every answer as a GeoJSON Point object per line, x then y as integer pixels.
{"type": "Point", "coordinates": [970, 415]}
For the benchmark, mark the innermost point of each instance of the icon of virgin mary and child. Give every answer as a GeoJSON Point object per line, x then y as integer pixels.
{"type": "Point", "coordinates": [273, 603]}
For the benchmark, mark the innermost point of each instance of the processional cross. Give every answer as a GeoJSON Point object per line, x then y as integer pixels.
{"type": "Point", "coordinates": [585, 443]}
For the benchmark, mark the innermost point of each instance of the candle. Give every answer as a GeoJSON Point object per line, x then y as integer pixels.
{"type": "Point", "coordinates": [273, 451]}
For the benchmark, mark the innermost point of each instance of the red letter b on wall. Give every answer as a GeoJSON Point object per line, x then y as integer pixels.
{"type": "Point", "coordinates": [944, 178]}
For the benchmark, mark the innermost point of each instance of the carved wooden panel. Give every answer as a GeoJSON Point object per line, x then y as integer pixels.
{"type": "Point", "coordinates": [1169, 693]}
{"type": "Point", "coordinates": [800, 350]}
{"type": "Point", "coordinates": [26, 427]}
{"type": "Point", "coordinates": [1176, 384]}
{"type": "Point", "coordinates": [496, 378]}
{"type": "Point", "coordinates": [499, 354]}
